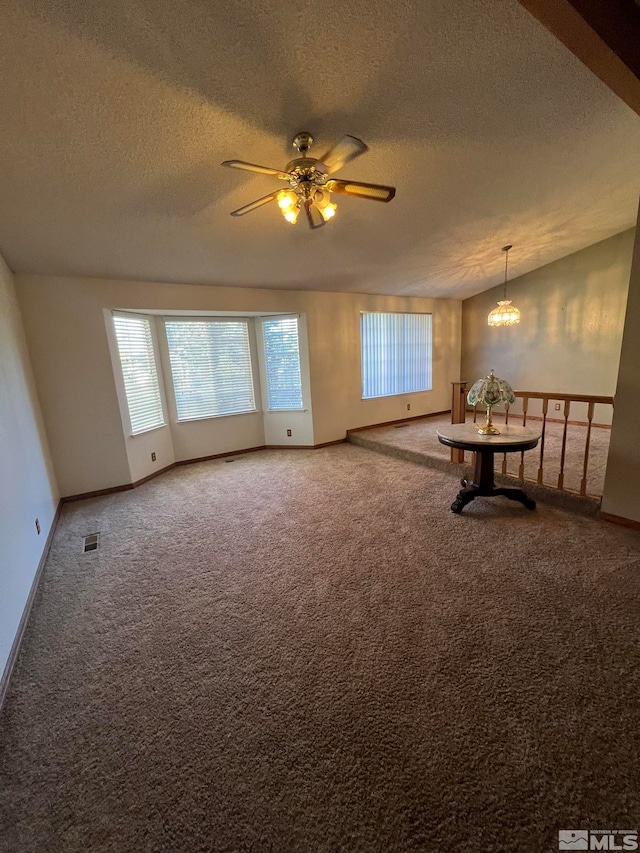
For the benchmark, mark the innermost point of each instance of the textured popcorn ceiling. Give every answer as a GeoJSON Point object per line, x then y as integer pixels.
{"type": "Point", "coordinates": [115, 116]}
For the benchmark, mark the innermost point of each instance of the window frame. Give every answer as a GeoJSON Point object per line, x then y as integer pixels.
{"type": "Point", "coordinates": [428, 314]}
{"type": "Point", "coordinates": [264, 375]}
{"type": "Point", "coordinates": [121, 387]}
{"type": "Point", "coordinates": [209, 319]}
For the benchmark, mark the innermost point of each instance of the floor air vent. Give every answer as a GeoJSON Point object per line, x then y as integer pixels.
{"type": "Point", "coordinates": [91, 542]}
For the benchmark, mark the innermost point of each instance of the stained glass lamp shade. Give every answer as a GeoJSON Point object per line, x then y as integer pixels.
{"type": "Point", "coordinates": [490, 392]}
{"type": "Point", "coordinates": [505, 314]}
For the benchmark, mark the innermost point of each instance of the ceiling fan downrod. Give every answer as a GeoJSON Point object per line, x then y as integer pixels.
{"type": "Point", "coordinates": [302, 142]}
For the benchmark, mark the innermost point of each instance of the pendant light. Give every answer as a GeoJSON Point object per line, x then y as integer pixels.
{"type": "Point", "coordinates": [505, 314]}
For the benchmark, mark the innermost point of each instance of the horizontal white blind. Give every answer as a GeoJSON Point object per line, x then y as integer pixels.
{"type": "Point", "coordinates": [211, 367]}
{"type": "Point", "coordinates": [142, 389]}
{"type": "Point", "coordinates": [282, 362]}
{"type": "Point", "coordinates": [396, 353]}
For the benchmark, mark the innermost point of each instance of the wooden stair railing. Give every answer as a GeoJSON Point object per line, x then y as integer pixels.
{"type": "Point", "coordinates": [458, 415]}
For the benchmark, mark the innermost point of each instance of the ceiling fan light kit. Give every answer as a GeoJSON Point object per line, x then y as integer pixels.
{"type": "Point", "coordinates": [310, 184]}
{"type": "Point", "coordinates": [288, 204]}
{"type": "Point", "coordinates": [505, 314]}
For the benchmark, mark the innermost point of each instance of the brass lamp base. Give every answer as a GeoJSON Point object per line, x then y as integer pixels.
{"type": "Point", "coordinates": [487, 427]}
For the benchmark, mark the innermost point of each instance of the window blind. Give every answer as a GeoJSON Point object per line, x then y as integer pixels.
{"type": "Point", "coordinates": [396, 353]}
{"type": "Point", "coordinates": [142, 389]}
{"type": "Point", "coordinates": [282, 362]}
{"type": "Point", "coordinates": [211, 367]}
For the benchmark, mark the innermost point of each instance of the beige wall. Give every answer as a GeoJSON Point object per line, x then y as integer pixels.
{"type": "Point", "coordinates": [27, 483]}
{"type": "Point", "coordinates": [334, 351]}
{"type": "Point", "coordinates": [67, 335]}
{"type": "Point", "coordinates": [621, 493]}
{"type": "Point", "coordinates": [570, 334]}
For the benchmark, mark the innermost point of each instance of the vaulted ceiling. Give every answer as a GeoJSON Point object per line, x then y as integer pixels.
{"type": "Point", "coordinates": [115, 117]}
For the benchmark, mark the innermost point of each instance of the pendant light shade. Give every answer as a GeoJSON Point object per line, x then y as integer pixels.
{"type": "Point", "coordinates": [505, 314]}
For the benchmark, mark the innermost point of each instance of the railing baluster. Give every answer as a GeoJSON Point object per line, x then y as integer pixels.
{"type": "Point", "coordinates": [567, 407]}
{"type": "Point", "coordinates": [545, 408]}
{"type": "Point", "coordinates": [525, 407]}
{"type": "Point", "coordinates": [504, 455]}
{"type": "Point", "coordinates": [583, 482]}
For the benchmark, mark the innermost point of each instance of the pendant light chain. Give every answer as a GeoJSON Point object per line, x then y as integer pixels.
{"type": "Point", "coordinates": [506, 262]}
{"type": "Point", "coordinates": [505, 249]}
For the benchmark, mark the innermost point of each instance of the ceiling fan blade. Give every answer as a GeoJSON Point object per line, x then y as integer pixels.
{"type": "Point", "coordinates": [314, 217]}
{"type": "Point", "coordinates": [343, 152]}
{"type": "Point", "coordinates": [255, 204]}
{"type": "Point", "coordinates": [376, 192]}
{"type": "Point", "coordinates": [261, 170]}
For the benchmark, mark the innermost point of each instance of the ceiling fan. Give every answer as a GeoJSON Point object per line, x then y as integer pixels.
{"type": "Point", "coordinates": [310, 186]}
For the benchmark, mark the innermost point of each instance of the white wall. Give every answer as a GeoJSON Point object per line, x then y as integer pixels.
{"type": "Point", "coordinates": [64, 320]}
{"type": "Point", "coordinates": [72, 366]}
{"type": "Point", "coordinates": [570, 334]}
{"type": "Point", "coordinates": [621, 494]}
{"type": "Point", "coordinates": [28, 487]}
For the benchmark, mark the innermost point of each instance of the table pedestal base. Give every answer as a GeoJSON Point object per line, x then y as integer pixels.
{"type": "Point", "coordinates": [483, 485]}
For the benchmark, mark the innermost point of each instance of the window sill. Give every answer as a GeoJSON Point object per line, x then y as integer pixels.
{"type": "Point", "coordinates": [215, 417]}
{"type": "Point", "coordinates": [146, 431]}
{"type": "Point", "coordinates": [399, 394]}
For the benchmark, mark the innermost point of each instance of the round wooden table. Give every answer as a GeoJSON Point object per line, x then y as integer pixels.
{"type": "Point", "coordinates": [512, 439]}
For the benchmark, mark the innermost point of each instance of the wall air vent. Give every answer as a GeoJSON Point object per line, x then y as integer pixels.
{"type": "Point", "coordinates": [90, 542]}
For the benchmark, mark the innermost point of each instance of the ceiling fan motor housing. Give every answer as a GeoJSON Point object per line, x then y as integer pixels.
{"type": "Point", "coordinates": [301, 164]}
{"type": "Point", "coordinates": [304, 177]}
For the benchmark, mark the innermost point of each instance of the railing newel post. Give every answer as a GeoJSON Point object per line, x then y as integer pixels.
{"type": "Point", "coordinates": [458, 414]}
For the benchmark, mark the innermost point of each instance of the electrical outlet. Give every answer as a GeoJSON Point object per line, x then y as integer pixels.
{"type": "Point", "coordinates": [38, 526]}
{"type": "Point", "coordinates": [557, 407]}
{"type": "Point", "coordinates": [153, 456]}
{"type": "Point", "coordinates": [408, 407]}
{"type": "Point", "coordinates": [288, 433]}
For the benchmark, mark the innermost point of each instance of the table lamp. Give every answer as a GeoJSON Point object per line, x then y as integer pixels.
{"type": "Point", "coordinates": [490, 391]}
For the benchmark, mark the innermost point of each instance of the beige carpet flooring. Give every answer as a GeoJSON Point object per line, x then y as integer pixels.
{"type": "Point", "coordinates": [307, 651]}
